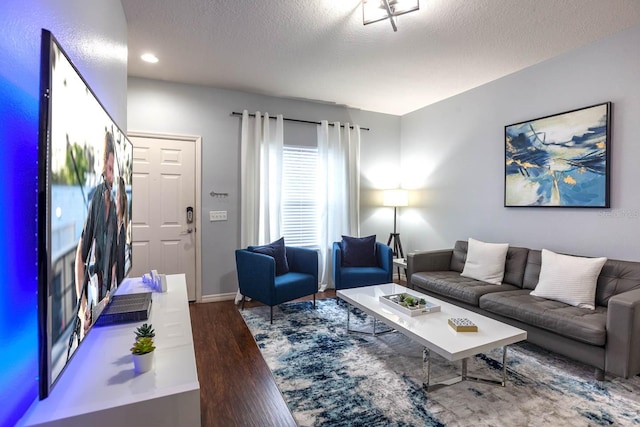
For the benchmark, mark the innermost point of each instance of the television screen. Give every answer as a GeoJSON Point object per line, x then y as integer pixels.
{"type": "Point", "coordinates": [84, 210]}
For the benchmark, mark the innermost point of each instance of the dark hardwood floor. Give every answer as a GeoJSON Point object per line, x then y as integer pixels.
{"type": "Point", "coordinates": [236, 385]}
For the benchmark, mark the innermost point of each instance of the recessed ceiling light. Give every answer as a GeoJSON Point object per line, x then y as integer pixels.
{"type": "Point", "coordinates": [149, 57]}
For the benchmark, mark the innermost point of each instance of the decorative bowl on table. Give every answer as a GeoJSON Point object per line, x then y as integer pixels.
{"type": "Point", "coordinates": [409, 304]}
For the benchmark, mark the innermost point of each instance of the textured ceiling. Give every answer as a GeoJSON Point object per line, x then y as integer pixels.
{"type": "Point", "coordinates": [319, 50]}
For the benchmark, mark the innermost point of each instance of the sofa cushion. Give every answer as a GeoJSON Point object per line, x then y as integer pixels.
{"type": "Point", "coordinates": [278, 251]}
{"type": "Point", "coordinates": [569, 279]}
{"type": "Point", "coordinates": [359, 251]}
{"type": "Point", "coordinates": [485, 261]}
{"type": "Point", "coordinates": [588, 326]}
{"type": "Point", "coordinates": [514, 265]}
{"type": "Point", "coordinates": [293, 285]}
{"type": "Point", "coordinates": [354, 277]}
{"type": "Point", "coordinates": [451, 284]}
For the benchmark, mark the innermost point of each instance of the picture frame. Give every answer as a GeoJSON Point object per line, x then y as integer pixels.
{"type": "Point", "coordinates": [561, 160]}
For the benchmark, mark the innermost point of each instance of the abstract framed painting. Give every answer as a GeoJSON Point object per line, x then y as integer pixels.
{"type": "Point", "coordinates": [561, 160]}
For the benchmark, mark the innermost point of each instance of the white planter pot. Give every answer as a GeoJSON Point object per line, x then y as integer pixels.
{"type": "Point", "coordinates": [143, 362]}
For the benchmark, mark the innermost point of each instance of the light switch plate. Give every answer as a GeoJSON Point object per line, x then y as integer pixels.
{"type": "Point", "coordinates": [217, 216]}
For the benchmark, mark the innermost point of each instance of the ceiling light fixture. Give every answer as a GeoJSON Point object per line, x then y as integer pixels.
{"type": "Point", "coordinates": [150, 58]}
{"type": "Point", "coordinates": [378, 10]}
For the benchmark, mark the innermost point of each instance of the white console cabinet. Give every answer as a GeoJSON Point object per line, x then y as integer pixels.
{"type": "Point", "coordinates": [99, 387]}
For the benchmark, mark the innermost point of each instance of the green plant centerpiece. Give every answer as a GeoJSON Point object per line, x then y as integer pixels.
{"type": "Point", "coordinates": [412, 305]}
{"type": "Point", "coordinates": [144, 339]}
{"type": "Point", "coordinates": [142, 349]}
{"type": "Point", "coordinates": [412, 302]}
{"type": "Point", "coordinates": [409, 301]}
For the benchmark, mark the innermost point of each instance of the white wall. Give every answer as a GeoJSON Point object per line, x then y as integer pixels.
{"type": "Point", "coordinates": [453, 152]}
{"type": "Point", "coordinates": [162, 107]}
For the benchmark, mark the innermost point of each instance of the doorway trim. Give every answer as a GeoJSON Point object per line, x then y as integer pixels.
{"type": "Point", "coordinates": [197, 140]}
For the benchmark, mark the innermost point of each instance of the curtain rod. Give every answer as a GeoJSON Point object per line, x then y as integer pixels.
{"type": "Point", "coordinates": [294, 120]}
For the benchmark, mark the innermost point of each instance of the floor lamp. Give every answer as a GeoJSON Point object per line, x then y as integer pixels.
{"type": "Point", "coordinates": [396, 198]}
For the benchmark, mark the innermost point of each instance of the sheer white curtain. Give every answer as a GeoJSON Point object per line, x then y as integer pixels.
{"type": "Point", "coordinates": [271, 181]}
{"type": "Point", "coordinates": [339, 189]}
{"type": "Point", "coordinates": [260, 179]}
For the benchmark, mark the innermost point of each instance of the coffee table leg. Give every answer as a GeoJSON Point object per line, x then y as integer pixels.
{"type": "Point", "coordinates": [427, 385]}
{"type": "Point", "coordinates": [504, 366]}
{"type": "Point", "coordinates": [503, 382]}
{"type": "Point", "coordinates": [375, 321]}
{"type": "Point", "coordinates": [426, 358]}
{"type": "Point", "coordinates": [427, 374]}
{"type": "Point", "coordinates": [464, 369]}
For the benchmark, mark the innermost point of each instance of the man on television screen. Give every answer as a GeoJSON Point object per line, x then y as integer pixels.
{"type": "Point", "coordinates": [96, 253]}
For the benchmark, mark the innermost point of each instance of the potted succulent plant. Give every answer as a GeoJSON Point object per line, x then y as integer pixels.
{"type": "Point", "coordinates": [142, 349]}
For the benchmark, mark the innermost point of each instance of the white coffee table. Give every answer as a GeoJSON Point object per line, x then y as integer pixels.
{"type": "Point", "coordinates": [432, 331]}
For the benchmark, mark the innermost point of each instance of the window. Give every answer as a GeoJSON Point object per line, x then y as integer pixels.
{"type": "Point", "coordinates": [299, 190]}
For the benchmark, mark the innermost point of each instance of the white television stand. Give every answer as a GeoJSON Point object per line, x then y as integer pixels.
{"type": "Point", "coordinates": [99, 387]}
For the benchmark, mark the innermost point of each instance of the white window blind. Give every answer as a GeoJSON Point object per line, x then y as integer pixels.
{"type": "Point", "coordinates": [299, 191]}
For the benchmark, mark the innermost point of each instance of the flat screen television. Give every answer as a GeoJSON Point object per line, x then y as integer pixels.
{"type": "Point", "coordinates": [84, 210]}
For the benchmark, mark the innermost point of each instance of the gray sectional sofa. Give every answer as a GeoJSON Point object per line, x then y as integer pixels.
{"type": "Point", "coordinates": [607, 338]}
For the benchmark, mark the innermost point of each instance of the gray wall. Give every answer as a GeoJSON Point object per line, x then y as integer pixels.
{"type": "Point", "coordinates": [161, 107]}
{"type": "Point", "coordinates": [455, 150]}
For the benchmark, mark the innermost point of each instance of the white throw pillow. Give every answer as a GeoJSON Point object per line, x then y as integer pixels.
{"type": "Point", "coordinates": [569, 279]}
{"type": "Point", "coordinates": [485, 261]}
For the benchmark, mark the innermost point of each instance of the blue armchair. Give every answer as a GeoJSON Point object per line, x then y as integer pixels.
{"type": "Point", "coordinates": [257, 276]}
{"type": "Point", "coordinates": [354, 277]}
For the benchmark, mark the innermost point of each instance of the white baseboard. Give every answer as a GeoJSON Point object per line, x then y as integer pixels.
{"type": "Point", "coordinates": [218, 297]}
{"type": "Point", "coordinates": [222, 297]}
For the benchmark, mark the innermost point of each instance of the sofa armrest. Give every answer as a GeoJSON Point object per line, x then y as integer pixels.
{"type": "Point", "coordinates": [336, 263]}
{"type": "Point", "coordinates": [439, 260]}
{"type": "Point", "coordinates": [385, 259]}
{"type": "Point", "coordinates": [623, 334]}
{"type": "Point", "coordinates": [256, 275]}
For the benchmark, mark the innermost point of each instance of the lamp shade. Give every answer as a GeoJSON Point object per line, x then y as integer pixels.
{"type": "Point", "coordinates": [396, 197]}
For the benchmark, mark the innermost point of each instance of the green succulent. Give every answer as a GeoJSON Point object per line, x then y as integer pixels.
{"type": "Point", "coordinates": [423, 301]}
{"type": "Point", "coordinates": [145, 331]}
{"type": "Point", "coordinates": [143, 345]}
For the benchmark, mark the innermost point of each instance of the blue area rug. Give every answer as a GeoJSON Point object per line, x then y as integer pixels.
{"type": "Point", "coordinates": [329, 377]}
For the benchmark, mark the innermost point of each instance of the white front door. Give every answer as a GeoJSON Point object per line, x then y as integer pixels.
{"type": "Point", "coordinates": [164, 191]}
